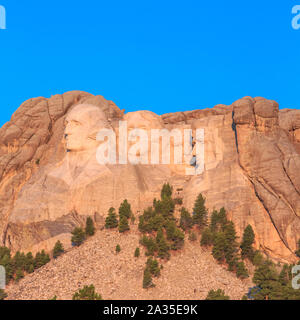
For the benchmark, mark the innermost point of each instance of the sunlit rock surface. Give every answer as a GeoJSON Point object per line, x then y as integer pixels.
{"type": "Point", "coordinates": [51, 179]}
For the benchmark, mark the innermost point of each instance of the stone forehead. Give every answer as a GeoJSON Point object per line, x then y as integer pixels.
{"type": "Point", "coordinates": [141, 118]}
{"type": "Point", "coordinates": [86, 112]}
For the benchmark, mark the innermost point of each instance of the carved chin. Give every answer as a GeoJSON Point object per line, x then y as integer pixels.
{"type": "Point", "coordinates": [77, 149]}
{"type": "Point", "coordinates": [73, 147]}
{"type": "Point", "coordinates": [70, 147]}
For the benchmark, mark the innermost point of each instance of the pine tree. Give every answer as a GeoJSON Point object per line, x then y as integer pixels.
{"type": "Point", "coordinates": [156, 222]}
{"type": "Point", "coordinates": [214, 221]}
{"type": "Point", "coordinates": [58, 249]}
{"type": "Point", "coordinates": [118, 248]}
{"type": "Point", "coordinates": [167, 206]}
{"type": "Point", "coordinates": [153, 266]}
{"type": "Point", "coordinates": [125, 209]}
{"type": "Point", "coordinates": [247, 242]}
{"type": "Point", "coordinates": [87, 293]}
{"type": "Point", "coordinates": [38, 261]}
{"type": "Point", "coordinates": [19, 274]}
{"type": "Point", "coordinates": [29, 266]}
{"type": "Point", "coordinates": [177, 240]}
{"type": "Point", "coordinates": [147, 279]}
{"type": "Point", "coordinates": [175, 235]}
{"type": "Point", "coordinates": [222, 219]}
{"type": "Point", "coordinates": [287, 292]}
{"type": "Point", "coordinates": [4, 251]}
{"type": "Point", "coordinates": [274, 286]}
{"type": "Point", "coordinates": [150, 244]}
{"type": "Point", "coordinates": [258, 259]}
{"type": "Point", "coordinates": [78, 236]}
{"type": "Point", "coordinates": [147, 221]}
{"type": "Point", "coordinates": [219, 247]}
{"type": "Point", "coordinates": [41, 258]}
{"type": "Point", "coordinates": [19, 261]}
{"type": "Point", "coordinates": [45, 257]}
{"type": "Point", "coordinates": [217, 295]}
{"type": "Point", "coordinates": [111, 220]}
{"type": "Point", "coordinates": [137, 252]}
{"type": "Point", "coordinates": [7, 263]}
{"type": "Point", "coordinates": [166, 191]}
{"type": "Point", "coordinates": [123, 225]}
{"type": "Point", "coordinates": [186, 221]}
{"type": "Point", "coordinates": [230, 246]}
{"type": "Point", "coordinates": [170, 229]}
{"type": "Point", "coordinates": [132, 218]}
{"type": "Point", "coordinates": [284, 277]}
{"type": "Point", "coordinates": [200, 212]}
{"type": "Point", "coordinates": [266, 278]}
{"type": "Point", "coordinates": [230, 233]}
{"type": "Point", "coordinates": [3, 295]}
{"type": "Point", "coordinates": [142, 225]}
{"type": "Point", "coordinates": [89, 227]}
{"type": "Point", "coordinates": [206, 237]}
{"type": "Point", "coordinates": [162, 245]}
{"type": "Point", "coordinates": [241, 271]}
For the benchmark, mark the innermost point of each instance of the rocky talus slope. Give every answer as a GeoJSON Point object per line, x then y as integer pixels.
{"type": "Point", "coordinates": [189, 274]}
{"type": "Point", "coordinates": [50, 180]}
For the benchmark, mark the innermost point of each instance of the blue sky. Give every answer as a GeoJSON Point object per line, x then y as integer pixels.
{"type": "Point", "coordinates": [163, 56]}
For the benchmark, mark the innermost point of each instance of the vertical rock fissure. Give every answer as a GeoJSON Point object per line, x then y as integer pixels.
{"type": "Point", "coordinates": [285, 170]}
{"type": "Point", "coordinates": [270, 216]}
{"type": "Point", "coordinates": [262, 202]}
{"type": "Point", "coordinates": [233, 126]}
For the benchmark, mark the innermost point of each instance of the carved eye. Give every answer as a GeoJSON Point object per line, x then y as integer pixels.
{"type": "Point", "coordinates": [76, 123]}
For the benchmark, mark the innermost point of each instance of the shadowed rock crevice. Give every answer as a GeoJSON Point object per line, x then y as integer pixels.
{"type": "Point", "coordinates": [268, 212]}
{"type": "Point", "coordinates": [235, 133]}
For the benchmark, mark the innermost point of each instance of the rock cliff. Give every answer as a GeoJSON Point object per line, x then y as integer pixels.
{"type": "Point", "coordinates": [50, 179]}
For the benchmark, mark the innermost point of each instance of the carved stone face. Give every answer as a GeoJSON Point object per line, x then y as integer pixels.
{"type": "Point", "coordinates": [145, 120]}
{"type": "Point", "coordinates": [81, 127]}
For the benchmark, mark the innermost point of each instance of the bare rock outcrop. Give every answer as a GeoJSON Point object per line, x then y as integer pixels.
{"type": "Point", "coordinates": [50, 179]}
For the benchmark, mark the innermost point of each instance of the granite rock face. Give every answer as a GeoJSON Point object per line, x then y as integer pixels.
{"type": "Point", "coordinates": [50, 179]}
